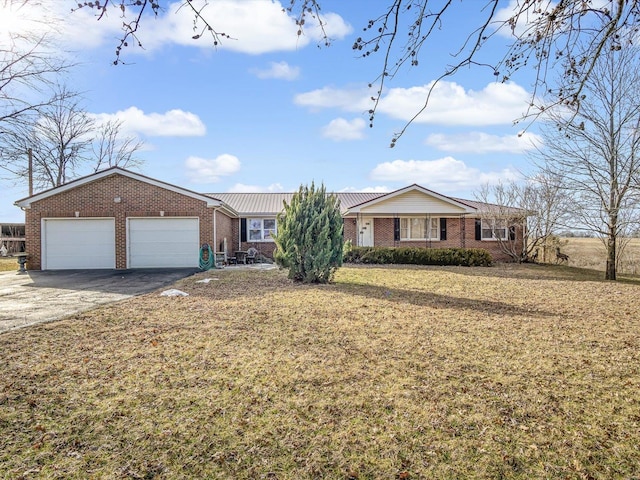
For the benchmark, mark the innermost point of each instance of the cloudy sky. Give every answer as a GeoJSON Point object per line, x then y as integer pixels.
{"type": "Point", "coordinates": [268, 110]}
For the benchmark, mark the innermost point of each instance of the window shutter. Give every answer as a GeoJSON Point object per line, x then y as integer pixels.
{"type": "Point", "coordinates": [396, 229]}
{"type": "Point", "coordinates": [478, 229]}
{"type": "Point", "coordinates": [443, 229]}
{"type": "Point", "coordinates": [243, 229]}
{"type": "Point", "coordinates": [512, 232]}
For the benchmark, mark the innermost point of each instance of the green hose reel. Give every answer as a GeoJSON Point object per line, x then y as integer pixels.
{"type": "Point", "coordinates": [207, 258]}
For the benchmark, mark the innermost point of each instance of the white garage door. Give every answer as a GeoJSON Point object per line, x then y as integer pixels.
{"type": "Point", "coordinates": [78, 243]}
{"type": "Point", "coordinates": [163, 242]}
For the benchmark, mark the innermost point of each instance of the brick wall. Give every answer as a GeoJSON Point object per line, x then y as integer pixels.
{"type": "Point", "coordinates": [265, 248]}
{"type": "Point", "coordinates": [224, 229]}
{"type": "Point", "coordinates": [383, 232]}
{"type": "Point", "coordinates": [491, 245]}
{"type": "Point", "coordinates": [96, 199]}
{"type": "Point", "coordinates": [350, 231]}
{"type": "Point", "coordinates": [460, 234]}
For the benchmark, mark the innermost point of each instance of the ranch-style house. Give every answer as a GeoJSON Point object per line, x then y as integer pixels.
{"type": "Point", "coordinates": [119, 219]}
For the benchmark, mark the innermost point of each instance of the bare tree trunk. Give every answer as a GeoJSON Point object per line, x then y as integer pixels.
{"type": "Point", "coordinates": [610, 272]}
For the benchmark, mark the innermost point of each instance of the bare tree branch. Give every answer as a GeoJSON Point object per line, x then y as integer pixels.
{"type": "Point", "coordinates": [65, 142]}
{"type": "Point", "coordinates": [565, 36]}
{"type": "Point", "coordinates": [28, 66]}
{"type": "Point", "coordinates": [593, 149]}
{"type": "Point", "coordinates": [110, 149]}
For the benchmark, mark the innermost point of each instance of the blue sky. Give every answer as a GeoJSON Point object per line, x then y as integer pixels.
{"type": "Point", "coordinates": [268, 110]}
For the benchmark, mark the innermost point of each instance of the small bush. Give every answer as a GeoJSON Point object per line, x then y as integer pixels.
{"type": "Point", "coordinates": [467, 257]}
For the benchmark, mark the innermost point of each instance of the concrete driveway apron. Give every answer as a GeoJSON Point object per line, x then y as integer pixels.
{"type": "Point", "coordinates": [37, 297]}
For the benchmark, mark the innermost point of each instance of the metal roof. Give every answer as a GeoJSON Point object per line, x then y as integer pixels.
{"type": "Point", "coordinates": [272, 203]}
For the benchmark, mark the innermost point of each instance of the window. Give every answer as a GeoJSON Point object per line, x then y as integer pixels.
{"type": "Point", "coordinates": [416, 228]}
{"type": "Point", "coordinates": [495, 229]}
{"type": "Point", "coordinates": [12, 231]}
{"type": "Point", "coordinates": [261, 229]}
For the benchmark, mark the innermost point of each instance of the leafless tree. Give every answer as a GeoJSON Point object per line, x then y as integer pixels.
{"type": "Point", "coordinates": [58, 138]}
{"type": "Point", "coordinates": [567, 35]}
{"type": "Point", "coordinates": [594, 151]}
{"type": "Point", "coordinates": [535, 207]}
{"type": "Point", "coordinates": [111, 149]}
{"type": "Point", "coordinates": [29, 64]}
{"type": "Point", "coordinates": [65, 142]}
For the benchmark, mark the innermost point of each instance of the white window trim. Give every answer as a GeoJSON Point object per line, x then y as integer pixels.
{"type": "Point", "coordinates": [422, 238]}
{"type": "Point", "coordinates": [262, 229]}
{"type": "Point", "coordinates": [486, 224]}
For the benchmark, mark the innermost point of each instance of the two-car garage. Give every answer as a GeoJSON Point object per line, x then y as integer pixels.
{"type": "Point", "coordinates": [90, 243]}
{"type": "Point", "coordinates": [117, 219]}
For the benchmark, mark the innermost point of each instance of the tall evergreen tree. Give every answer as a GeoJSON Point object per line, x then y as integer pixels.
{"type": "Point", "coordinates": [309, 239]}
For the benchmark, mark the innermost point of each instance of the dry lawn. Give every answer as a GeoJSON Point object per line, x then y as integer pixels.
{"type": "Point", "coordinates": [394, 373]}
{"type": "Point", "coordinates": [8, 264]}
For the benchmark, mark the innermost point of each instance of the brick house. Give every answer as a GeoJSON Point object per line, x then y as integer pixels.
{"type": "Point", "coordinates": [118, 219]}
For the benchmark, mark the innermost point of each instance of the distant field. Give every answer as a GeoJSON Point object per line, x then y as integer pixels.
{"type": "Point", "coordinates": [590, 253]}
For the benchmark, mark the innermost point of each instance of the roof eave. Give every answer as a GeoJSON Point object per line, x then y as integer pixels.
{"type": "Point", "coordinates": [27, 201]}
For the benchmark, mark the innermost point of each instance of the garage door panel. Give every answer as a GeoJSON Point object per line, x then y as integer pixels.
{"type": "Point", "coordinates": [163, 242]}
{"type": "Point", "coordinates": [79, 244]}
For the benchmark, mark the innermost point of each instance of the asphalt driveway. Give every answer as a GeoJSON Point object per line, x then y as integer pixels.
{"type": "Point", "coordinates": [38, 297]}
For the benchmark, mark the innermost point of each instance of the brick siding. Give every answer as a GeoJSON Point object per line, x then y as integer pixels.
{"type": "Point", "coordinates": [460, 234]}
{"type": "Point", "coordinates": [224, 229]}
{"type": "Point", "coordinates": [138, 199]}
{"type": "Point", "coordinates": [141, 199]}
{"type": "Point", "coordinates": [350, 231]}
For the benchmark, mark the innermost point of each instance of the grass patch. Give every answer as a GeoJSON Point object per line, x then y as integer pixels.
{"type": "Point", "coordinates": [392, 372]}
{"type": "Point", "coordinates": [8, 264]}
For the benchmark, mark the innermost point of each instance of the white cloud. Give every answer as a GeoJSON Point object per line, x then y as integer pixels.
{"type": "Point", "coordinates": [505, 13]}
{"type": "Point", "coordinates": [449, 103]}
{"type": "Point", "coordinates": [77, 30]}
{"type": "Point", "coordinates": [203, 170]}
{"type": "Point", "coordinates": [531, 13]}
{"type": "Point", "coordinates": [342, 129]}
{"type": "Point", "coordinates": [242, 188]}
{"type": "Point", "coordinates": [255, 27]}
{"type": "Point", "coordinates": [279, 70]}
{"type": "Point", "coordinates": [443, 175]}
{"type": "Point", "coordinates": [173, 123]}
{"type": "Point", "coordinates": [479, 142]}
{"type": "Point", "coordinates": [355, 99]}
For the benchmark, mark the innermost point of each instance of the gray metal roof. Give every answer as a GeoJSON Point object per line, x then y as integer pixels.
{"type": "Point", "coordinates": [271, 203]}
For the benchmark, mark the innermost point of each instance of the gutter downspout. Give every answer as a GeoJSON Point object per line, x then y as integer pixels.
{"type": "Point", "coordinates": [215, 233]}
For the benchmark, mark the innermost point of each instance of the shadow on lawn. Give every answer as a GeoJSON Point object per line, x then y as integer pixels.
{"type": "Point", "coordinates": [524, 271]}
{"type": "Point", "coordinates": [439, 301]}
{"type": "Point", "coordinates": [547, 271]}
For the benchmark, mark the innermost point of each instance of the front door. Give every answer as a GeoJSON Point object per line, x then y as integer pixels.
{"type": "Point", "coordinates": [365, 232]}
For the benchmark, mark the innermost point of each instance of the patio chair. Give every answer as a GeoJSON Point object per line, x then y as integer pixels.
{"type": "Point", "coordinates": [251, 255]}
{"type": "Point", "coordinates": [241, 257]}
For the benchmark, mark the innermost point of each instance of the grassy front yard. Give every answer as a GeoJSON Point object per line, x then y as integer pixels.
{"type": "Point", "coordinates": [396, 373]}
